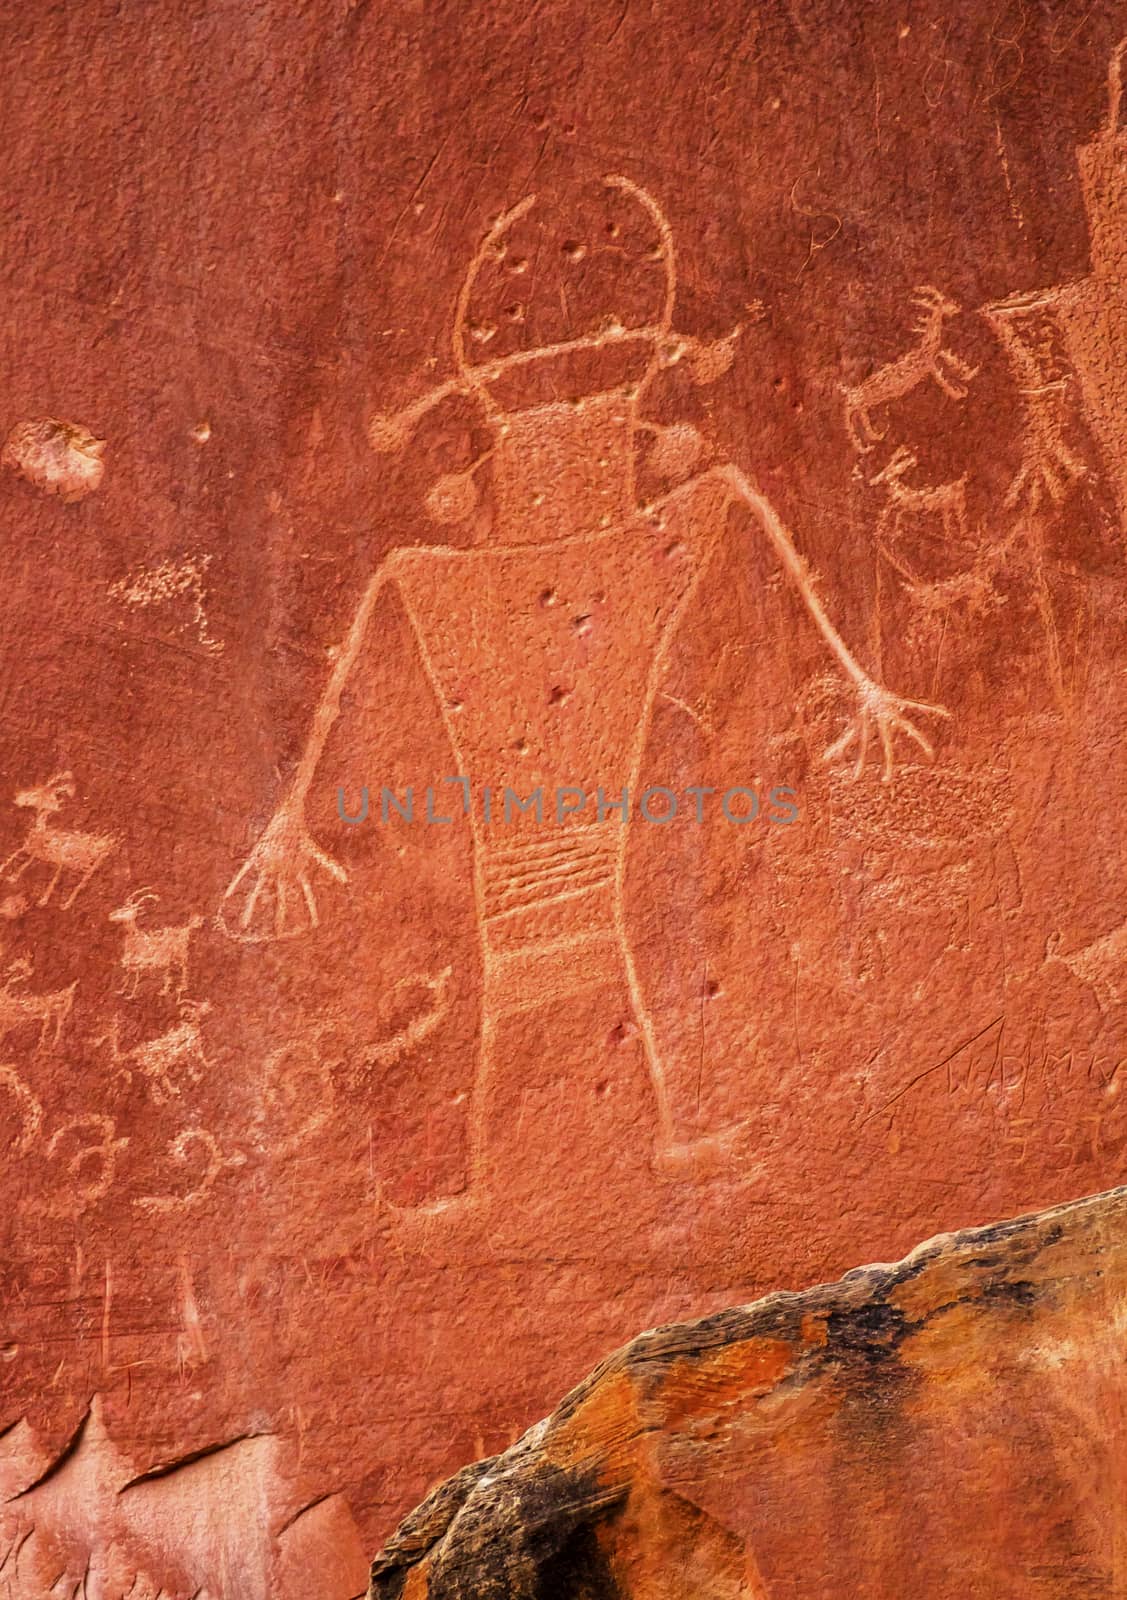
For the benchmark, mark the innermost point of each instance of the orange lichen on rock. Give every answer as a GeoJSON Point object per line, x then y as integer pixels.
{"type": "Point", "coordinates": [943, 1426]}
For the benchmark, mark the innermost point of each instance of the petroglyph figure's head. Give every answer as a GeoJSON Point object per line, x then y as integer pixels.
{"type": "Point", "coordinates": [567, 297]}
{"type": "Point", "coordinates": [564, 316]}
{"type": "Point", "coordinates": [564, 304]}
{"type": "Point", "coordinates": [63, 458]}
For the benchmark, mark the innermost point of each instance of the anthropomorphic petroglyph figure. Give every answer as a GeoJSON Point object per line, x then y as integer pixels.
{"type": "Point", "coordinates": [60, 849]}
{"type": "Point", "coordinates": [546, 646]}
{"type": "Point", "coordinates": [158, 950]}
{"type": "Point", "coordinates": [1050, 465]}
{"type": "Point", "coordinates": [1092, 311]}
{"type": "Point", "coordinates": [18, 1008]}
{"type": "Point", "coordinates": [1067, 345]}
{"type": "Point", "coordinates": [927, 358]}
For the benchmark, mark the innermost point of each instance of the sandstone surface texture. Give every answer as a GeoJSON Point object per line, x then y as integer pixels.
{"type": "Point", "coordinates": [563, 657]}
{"type": "Point", "coordinates": [950, 1426]}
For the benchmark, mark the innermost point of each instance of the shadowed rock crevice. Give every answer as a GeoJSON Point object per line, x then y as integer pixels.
{"type": "Point", "coordinates": [939, 1427]}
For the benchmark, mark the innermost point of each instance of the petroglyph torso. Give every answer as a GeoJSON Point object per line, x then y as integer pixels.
{"type": "Point", "coordinates": [544, 655]}
{"type": "Point", "coordinates": [545, 659]}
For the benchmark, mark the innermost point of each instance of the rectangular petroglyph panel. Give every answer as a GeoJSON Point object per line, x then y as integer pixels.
{"type": "Point", "coordinates": [562, 659]}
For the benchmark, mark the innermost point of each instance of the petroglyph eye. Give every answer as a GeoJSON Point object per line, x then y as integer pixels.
{"type": "Point", "coordinates": [63, 458]}
{"type": "Point", "coordinates": [452, 498]}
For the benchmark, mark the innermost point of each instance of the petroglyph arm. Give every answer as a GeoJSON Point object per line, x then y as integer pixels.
{"type": "Point", "coordinates": [878, 710]}
{"type": "Point", "coordinates": [272, 895]}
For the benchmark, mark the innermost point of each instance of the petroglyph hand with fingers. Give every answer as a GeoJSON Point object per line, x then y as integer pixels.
{"type": "Point", "coordinates": [272, 894]}
{"type": "Point", "coordinates": [878, 709]}
{"type": "Point", "coordinates": [882, 713]}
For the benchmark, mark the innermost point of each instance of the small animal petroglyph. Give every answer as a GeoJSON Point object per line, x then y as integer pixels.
{"type": "Point", "coordinates": [160, 585]}
{"type": "Point", "coordinates": [974, 589]}
{"type": "Point", "coordinates": [180, 1151]}
{"type": "Point", "coordinates": [60, 848]}
{"type": "Point", "coordinates": [914, 506]}
{"type": "Point", "coordinates": [918, 511]}
{"type": "Point", "coordinates": [62, 457]}
{"type": "Point", "coordinates": [159, 950]}
{"type": "Point", "coordinates": [171, 1059]}
{"type": "Point", "coordinates": [17, 1008]}
{"type": "Point", "coordinates": [928, 358]}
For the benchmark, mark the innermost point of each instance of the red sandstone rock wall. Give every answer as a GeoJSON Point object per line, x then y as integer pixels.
{"type": "Point", "coordinates": [561, 397]}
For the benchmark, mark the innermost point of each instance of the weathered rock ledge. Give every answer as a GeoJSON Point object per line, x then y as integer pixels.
{"type": "Point", "coordinates": [949, 1426]}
